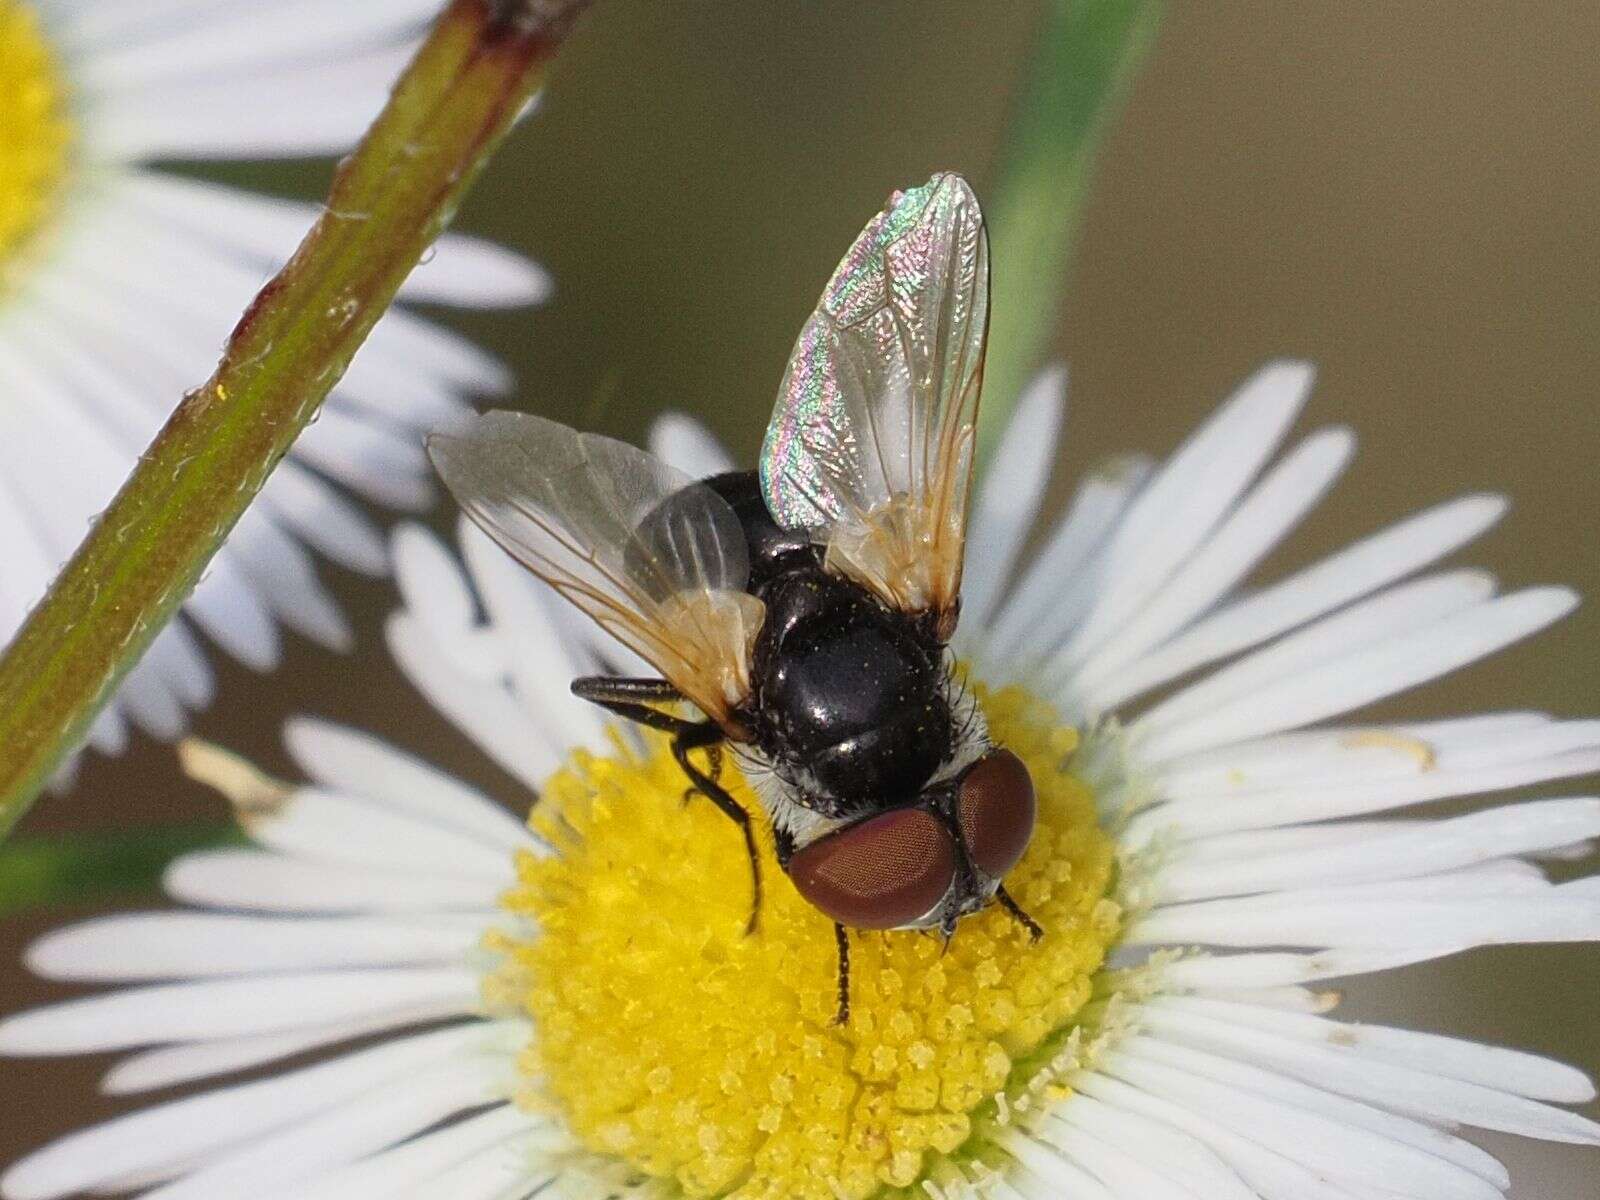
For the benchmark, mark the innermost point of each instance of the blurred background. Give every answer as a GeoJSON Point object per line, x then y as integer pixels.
{"type": "Point", "coordinates": [1403, 193]}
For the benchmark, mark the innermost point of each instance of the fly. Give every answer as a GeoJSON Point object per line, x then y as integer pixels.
{"type": "Point", "coordinates": [805, 608]}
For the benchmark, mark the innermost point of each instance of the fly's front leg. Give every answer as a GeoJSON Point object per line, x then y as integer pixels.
{"type": "Point", "coordinates": [707, 736]}
{"type": "Point", "coordinates": [631, 698]}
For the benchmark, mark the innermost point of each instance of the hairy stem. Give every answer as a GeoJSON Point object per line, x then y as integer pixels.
{"type": "Point", "coordinates": [390, 199]}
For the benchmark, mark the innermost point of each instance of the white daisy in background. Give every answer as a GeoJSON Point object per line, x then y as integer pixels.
{"type": "Point", "coordinates": [119, 284]}
{"type": "Point", "coordinates": [577, 1011]}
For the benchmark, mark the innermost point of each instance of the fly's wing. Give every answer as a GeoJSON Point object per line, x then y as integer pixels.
{"type": "Point", "coordinates": [870, 446]}
{"type": "Point", "coordinates": [591, 517]}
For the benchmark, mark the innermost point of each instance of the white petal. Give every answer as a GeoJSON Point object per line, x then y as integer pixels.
{"type": "Point", "coordinates": [434, 591]}
{"type": "Point", "coordinates": [1493, 1067]}
{"type": "Point", "coordinates": [1275, 505]}
{"type": "Point", "coordinates": [483, 711]}
{"type": "Point", "coordinates": [1169, 1150]}
{"type": "Point", "coordinates": [229, 1008]}
{"type": "Point", "coordinates": [413, 1165]}
{"type": "Point", "coordinates": [170, 945]}
{"type": "Point", "coordinates": [1292, 1095]}
{"type": "Point", "coordinates": [462, 270]}
{"type": "Point", "coordinates": [1059, 1175]}
{"type": "Point", "coordinates": [234, 38]}
{"type": "Point", "coordinates": [281, 569]}
{"type": "Point", "coordinates": [1273, 1175]}
{"type": "Point", "coordinates": [1125, 1174]}
{"type": "Point", "coordinates": [177, 657]}
{"type": "Point", "coordinates": [182, 1129]}
{"type": "Point", "coordinates": [1199, 818]}
{"type": "Point", "coordinates": [324, 519]}
{"type": "Point", "coordinates": [337, 1136]}
{"type": "Point", "coordinates": [1380, 922]}
{"type": "Point", "coordinates": [1333, 1148]}
{"type": "Point", "coordinates": [1418, 849]}
{"type": "Point", "coordinates": [688, 445]}
{"type": "Point", "coordinates": [1400, 611]}
{"type": "Point", "coordinates": [185, 1062]}
{"type": "Point", "coordinates": [1350, 752]}
{"type": "Point", "coordinates": [1188, 496]}
{"type": "Point", "coordinates": [324, 826]}
{"type": "Point", "coordinates": [1359, 569]}
{"type": "Point", "coordinates": [541, 664]}
{"type": "Point", "coordinates": [1007, 500]}
{"type": "Point", "coordinates": [1274, 969]}
{"type": "Point", "coordinates": [1398, 1088]}
{"type": "Point", "coordinates": [362, 765]}
{"type": "Point", "coordinates": [383, 464]}
{"type": "Point", "coordinates": [502, 1172]}
{"type": "Point", "coordinates": [227, 608]}
{"type": "Point", "coordinates": [1295, 692]}
{"type": "Point", "coordinates": [1065, 576]}
{"type": "Point", "coordinates": [257, 881]}
{"type": "Point", "coordinates": [240, 117]}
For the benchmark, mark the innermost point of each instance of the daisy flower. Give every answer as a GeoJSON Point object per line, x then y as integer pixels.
{"type": "Point", "coordinates": [574, 1008]}
{"type": "Point", "coordinates": [119, 283]}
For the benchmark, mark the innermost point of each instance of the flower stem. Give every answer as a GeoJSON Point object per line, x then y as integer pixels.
{"type": "Point", "coordinates": [1087, 54]}
{"type": "Point", "coordinates": [390, 199]}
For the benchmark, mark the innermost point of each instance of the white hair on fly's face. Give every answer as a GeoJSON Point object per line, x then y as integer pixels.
{"type": "Point", "coordinates": [778, 788]}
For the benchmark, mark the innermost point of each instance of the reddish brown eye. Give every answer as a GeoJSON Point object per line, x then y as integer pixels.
{"type": "Point", "coordinates": [996, 807]}
{"type": "Point", "coordinates": [883, 873]}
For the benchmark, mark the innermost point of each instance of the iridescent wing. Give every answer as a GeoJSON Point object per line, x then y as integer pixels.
{"type": "Point", "coordinates": [870, 446]}
{"type": "Point", "coordinates": [590, 516]}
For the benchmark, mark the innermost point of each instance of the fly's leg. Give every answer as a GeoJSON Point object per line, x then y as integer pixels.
{"type": "Point", "coordinates": [841, 937]}
{"type": "Point", "coordinates": [1015, 909]}
{"type": "Point", "coordinates": [705, 736]}
{"type": "Point", "coordinates": [631, 698]}
{"type": "Point", "coordinates": [627, 697]}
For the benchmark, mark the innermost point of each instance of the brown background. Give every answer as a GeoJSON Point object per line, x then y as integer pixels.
{"type": "Point", "coordinates": [1403, 192]}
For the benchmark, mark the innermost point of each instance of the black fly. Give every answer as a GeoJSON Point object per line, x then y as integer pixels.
{"type": "Point", "coordinates": [804, 609]}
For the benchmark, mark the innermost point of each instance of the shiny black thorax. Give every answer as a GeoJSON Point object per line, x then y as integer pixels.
{"type": "Point", "coordinates": [848, 698]}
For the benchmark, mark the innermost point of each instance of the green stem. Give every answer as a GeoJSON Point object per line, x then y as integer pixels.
{"type": "Point", "coordinates": [390, 199]}
{"type": "Point", "coordinates": [1087, 54]}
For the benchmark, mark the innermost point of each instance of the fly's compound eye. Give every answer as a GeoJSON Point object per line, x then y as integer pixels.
{"type": "Point", "coordinates": [884, 873]}
{"type": "Point", "coordinates": [996, 808]}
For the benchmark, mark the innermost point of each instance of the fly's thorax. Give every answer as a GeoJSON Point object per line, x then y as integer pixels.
{"type": "Point", "coordinates": [850, 694]}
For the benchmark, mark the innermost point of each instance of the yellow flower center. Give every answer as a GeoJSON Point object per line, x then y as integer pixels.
{"type": "Point", "coordinates": [679, 1050]}
{"type": "Point", "coordinates": [35, 132]}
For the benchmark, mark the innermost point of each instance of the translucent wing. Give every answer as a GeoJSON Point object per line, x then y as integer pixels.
{"type": "Point", "coordinates": [870, 446]}
{"type": "Point", "coordinates": [590, 516]}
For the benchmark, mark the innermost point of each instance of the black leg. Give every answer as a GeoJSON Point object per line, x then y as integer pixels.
{"type": "Point", "coordinates": [1015, 909]}
{"type": "Point", "coordinates": [706, 737]}
{"type": "Point", "coordinates": [631, 698]}
{"type": "Point", "coordinates": [600, 688]}
{"type": "Point", "coordinates": [841, 938]}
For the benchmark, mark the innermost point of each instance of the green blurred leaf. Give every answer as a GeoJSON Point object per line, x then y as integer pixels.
{"type": "Point", "coordinates": [1087, 55]}
{"type": "Point", "coordinates": [40, 872]}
